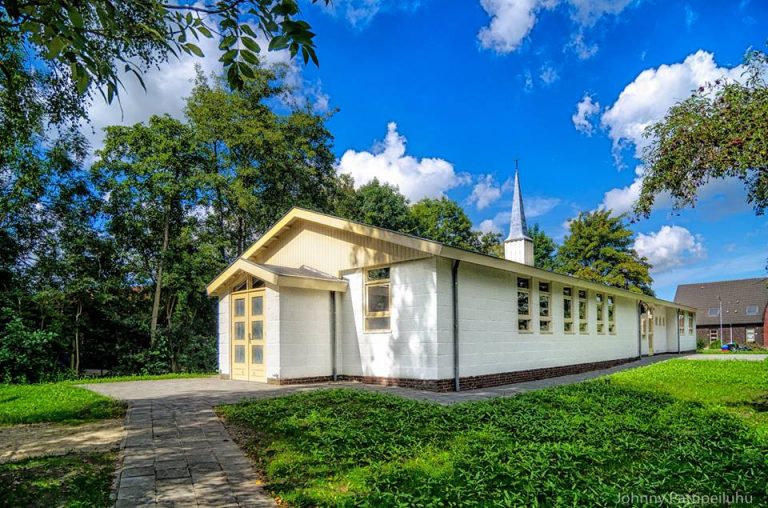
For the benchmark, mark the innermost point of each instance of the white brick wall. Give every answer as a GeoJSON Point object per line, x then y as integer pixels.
{"type": "Point", "coordinates": [224, 327]}
{"type": "Point", "coordinates": [272, 302]}
{"type": "Point", "coordinates": [305, 333]}
{"type": "Point", "coordinates": [409, 349]}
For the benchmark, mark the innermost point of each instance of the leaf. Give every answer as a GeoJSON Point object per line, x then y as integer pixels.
{"type": "Point", "coordinates": [194, 49]}
{"type": "Point", "coordinates": [250, 44]}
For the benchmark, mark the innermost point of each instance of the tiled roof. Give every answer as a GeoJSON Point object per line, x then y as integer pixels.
{"type": "Point", "coordinates": [737, 296]}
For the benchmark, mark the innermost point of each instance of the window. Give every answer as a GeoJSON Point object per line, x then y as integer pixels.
{"type": "Point", "coordinates": [568, 310]}
{"type": "Point", "coordinates": [242, 286]}
{"type": "Point", "coordinates": [377, 317]}
{"type": "Point", "coordinates": [600, 303]}
{"type": "Point", "coordinates": [583, 311]}
{"type": "Point", "coordinates": [611, 302]}
{"type": "Point", "coordinates": [713, 334]}
{"type": "Point", "coordinates": [523, 304]}
{"type": "Point", "coordinates": [256, 283]}
{"type": "Point", "coordinates": [751, 310]}
{"type": "Point", "coordinates": [681, 323]}
{"type": "Point", "coordinates": [713, 312]}
{"type": "Point", "coordinates": [545, 315]}
{"type": "Point", "coordinates": [690, 323]}
{"type": "Point", "coordinates": [750, 335]}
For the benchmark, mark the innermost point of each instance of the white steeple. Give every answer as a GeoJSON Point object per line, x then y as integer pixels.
{"type": "Point", "coordinates": [518, 246]}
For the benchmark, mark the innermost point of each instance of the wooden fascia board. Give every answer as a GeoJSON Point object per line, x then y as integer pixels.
{"type": "Point", "coordinates": [310, 283]}
{"type": "Point", "coordinates": [238, 266]}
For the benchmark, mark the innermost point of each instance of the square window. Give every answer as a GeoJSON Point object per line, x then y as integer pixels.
{"type": "Point", "coordinates": [545, 325]}
{"type": "Point", "coordinates": [240, 354]}
{"type": "Point", "coordinates": [582, 293]}
{"type": "Point", "coordinates": [544, 287]}
{"type": "Point", "coordinates": [524, 325]}
{"type": "Point", "coordinates": [600, 328]}
{"type": "Point", "coordinates": [713, 311]}
{"type": "Point", "coordinates": [611, 328]}
{"type": "Point", "coordinates": [567, 291]}
{"type": "Point", "coordinates": [239, 307]}
{"type": "Point", "coordinates": [568, 327]}
{"type": "Point", "coordinates": [257, 330]}
{"type": "Point", "coordinates": [582, 327]}
{"type": "Point", "coordinates": [240, 330]}
{"type": "Point", "coordinates": [523, 283]}
{"type": "Point", "coordinates": [378, 298]}
{"type": "Point", "coordinates": [751, 310]}
{"type": "Point", "coordinates": [257, 305]}
{"type": "Point", "coordinates": [257, 354]}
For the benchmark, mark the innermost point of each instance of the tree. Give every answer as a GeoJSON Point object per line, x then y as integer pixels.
{"type": "Point", "coordinates": [490, 243]}
{"type": "Point", "coordinates": [443, 220]}
{"type": "Point", "coordinates": [720, 131]}
{"type": "Point", "coordinates": [599, 249]}
{"type": "Point", "coordinates": [377, 204]}
{"type": "Point", "coordinates": [544, 248]}
{"type": "Point", "coordinates": [94, 41]}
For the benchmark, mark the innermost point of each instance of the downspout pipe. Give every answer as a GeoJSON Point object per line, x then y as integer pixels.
{"type": "Point", "coordinates": [678, 330]}
{"type": "Point", "coordinates": [639, 329]}
{"type": "Point", "coordinates": [334, 373]}
{"type": "Point", "coordinates": [455, 309]}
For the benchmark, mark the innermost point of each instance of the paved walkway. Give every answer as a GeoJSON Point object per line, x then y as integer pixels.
{"type": "Point", "coordinates": [177, 452]}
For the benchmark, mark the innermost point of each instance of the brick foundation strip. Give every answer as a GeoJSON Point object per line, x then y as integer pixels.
{"type": "Point", "coordinates": [468, 382]}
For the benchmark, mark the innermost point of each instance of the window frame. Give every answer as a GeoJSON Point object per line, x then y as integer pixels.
{"type": "Point", "coordinates": [600, 309]}
{"type": "Point", "coordinates": [545, 294]}
{"type": "Point", "coordinates": [610, 303]}
{"type": "Point", "coordinates": [749, 307]}
{"type": "Point", "coordinates": [523, 318]}
{"type": "Point", "coordinates": [681, 322]}
{"type": "Point", "coordinates": [691, 327]}
{"type": "Point", "coordinates": [583, 323]}
{"type": "Point", "coordinates": [568, 296]}
{"type": "Point", "coordinates": [716, 312]}
{"type": "Point", "coordinates": [715, 332]}
{"type": "Point", "coordinates": [380, 314]}
{"type": "Point", "coordinates": [747, 331]}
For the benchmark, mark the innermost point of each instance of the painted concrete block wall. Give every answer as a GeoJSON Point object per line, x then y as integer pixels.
{"type": "Point", "coordinates": [272, 331]}
{"type": "Point", "coordinates": [224, 339]}
{"type": "Point", "coordinates": [305, 333]}
{"type": "Point", "coordinates": [409, 349]}
{"type": "Point", "coordinates": [489, 339]}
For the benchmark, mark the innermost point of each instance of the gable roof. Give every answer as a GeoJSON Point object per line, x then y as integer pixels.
{"type": "Point", "coordinates": [736, 296]}
{"type": "Point", "coordinates": [303, 277]}
{"type": "Point", "coordinates": [431, 247]}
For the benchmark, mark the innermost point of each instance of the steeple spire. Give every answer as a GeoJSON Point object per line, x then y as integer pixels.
{"type": "Point", "coordinates": [517, 227]}
{"type": "Point", "coordinates": [518, 246]}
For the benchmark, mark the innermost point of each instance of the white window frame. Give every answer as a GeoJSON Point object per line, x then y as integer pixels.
{"type": "Point", "coordinates": [611, 306]}
{"type": "Point", "coordinates": [600, 309]}
{"type": "Point", "coordinates": [583, 322]}
{"type": "Point", "coordinates": [568, 296]}
{"type": "Point", "coordinates": [524, 320]}
{"type": "Point", "coordinates": [377, 315]}
{"type": "Point", "coordinates": [545, 294]}
{"type": "Point", "coordinates": [753, 331]}
{"type": "Point", "coordinates": [714, 334]}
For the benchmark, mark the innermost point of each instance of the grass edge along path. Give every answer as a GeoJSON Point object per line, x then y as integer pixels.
{"type": "Point", "coordinates": [583, 444]}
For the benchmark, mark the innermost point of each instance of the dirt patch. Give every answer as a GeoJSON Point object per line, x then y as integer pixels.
{"type": "Point", "coordinates": [45, 439]}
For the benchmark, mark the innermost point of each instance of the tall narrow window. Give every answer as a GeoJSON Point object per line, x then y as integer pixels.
{"type": "Point", "coordinates": [523, 304]}
{"type": "Point", "coordinates": [750, 334]}
{"type": "Point", "coordinates": [568, 310]}
{"type": "Point", "coordinates": [713, 334]}
{"type": "Point", "coordinates": [545, 313]}
{"type": "Point", "coordinates": [681, 323]}
{"type": "Point", "coordinates": [611, 303]}
{"type": "Point", "coordinates": [690, 323]}
{"type": "Point", "coordinates": [583, 328]}
{"type": "Point", "coordinates": [600, 304]}
{"type": "Point", "coordinates": [377, 316]}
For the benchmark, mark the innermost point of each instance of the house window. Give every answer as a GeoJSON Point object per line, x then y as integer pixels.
{"type": "Point", "coordinates": [523, 304]}
{"type": "Point", "coordinates": [690, 323]}
{"type": "Point", "coordinates": [600, 303]}
{"type": "Point", "coordinates": [713, 334]}
{"type": "Point", "coordinates": [611, 303]}
{"type": "Point", "coordinates": [750, 335]}
{"type": "Point", "coordinates": [377, 299]}
{"type": "Point", "coordinates": [583, 311]}
{"type": "Point", "coordinates": [568, 310]}
{"type": "Point", "coordinates": [681, 323]}
{"type": "Point", "coordinates": [256, 283]}
{"type": "Point", "coordinates": [751, 310]}
{"type": "Point", "coordinates": [713, 312]}
{"type": "Point", "coordinates": [545, 312]}
{"type": "Point", "coordinates": [241, 287]}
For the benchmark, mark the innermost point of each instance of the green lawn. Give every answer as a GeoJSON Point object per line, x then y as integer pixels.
{"type": "Point", "coordinates": [80, 480]}
{"type": "Point", "coordinates": [146, 377]}
{"type": "Point", "coordinates": [666, 428]}
{"type": "Point", "coordinates": [755, 351]}
{"type": "Point", "coordinates": [54, 402]}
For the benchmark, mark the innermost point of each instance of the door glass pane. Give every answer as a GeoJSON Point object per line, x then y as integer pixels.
{"type": "Point", "coordinates": [378, 298]}
{"type": "Point", "coordinates": [240, 307]}
{"type": "Point", "coordinates": [239, 354]}
{"type": "Point", "coordinates": [257, 354]}
{"type": "Point", "coordinates": [257, 305]}
{"type": "Point", "coordinates": [257, 330]}
{"type": "Point", "coordinates": [240, 331]}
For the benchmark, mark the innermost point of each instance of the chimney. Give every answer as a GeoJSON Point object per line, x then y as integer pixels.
{"type": "Point", "coordinates": [518, 246]}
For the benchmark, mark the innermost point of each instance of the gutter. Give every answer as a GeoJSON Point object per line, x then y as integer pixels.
{"type": "Point", "coordinates": [455, 309]}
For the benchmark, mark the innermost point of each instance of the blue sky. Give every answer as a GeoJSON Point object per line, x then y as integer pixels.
{"type": "Point", "coordinates": [442, 100]}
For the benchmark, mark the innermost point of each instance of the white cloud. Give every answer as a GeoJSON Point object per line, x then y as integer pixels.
{"type": "Point", "coordinates": [512, 20]}
{"type": "Point", "coordinates": [578, 45]}
{"type": "Point", "coordinates": [537, 206]}
{"type": "Point", "coordinates": [690, 16]}
{"type": "Point", "coordinates": [585, 109]}
{"type": "Point", "coordinates": [669, 247]}
{"type": "Point", "coordinates": [646, 99]}
{"type": "Point", "coordinates": [485, 192]}
{"type": "Point", "coordinates": [489, 226]}
{"type": "Point", "coordinates": [548, 74]}
{"type": "Point", "coordinates": [527, 81]}
{"type": "Point", "coordinates": [359, 13]}
{"type": "Point", "coordinates": [621, 200]}
{"type": "Point", "coordinates": [387, 161]}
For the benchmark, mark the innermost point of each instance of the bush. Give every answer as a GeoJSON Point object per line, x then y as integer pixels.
{"type": "Point", "coordinates": [26, 355]}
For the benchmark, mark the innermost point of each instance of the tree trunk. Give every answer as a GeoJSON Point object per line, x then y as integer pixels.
{"type": "Point", "coordinates": [159, 282]}
{"type": "Point", "coordinates": [76, 359]}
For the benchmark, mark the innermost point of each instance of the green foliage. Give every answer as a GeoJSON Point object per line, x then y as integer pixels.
{"type": "Point", "coordinates": [443, 220]}
{"type": "Point", "coordinates": [377, 204]}
{"type": "Point", "coordinates": [720, 131]}
{"type": "Point", "coordinates": [544, 248]}
{"type": "Point", "coordinates": [23, 357]}
{"type": "Point", "coordinates": [599, 249]}
{"type": "Point", "coordinates": [75, 480]}
{"type": "Point", "coordinates": [54, 402]}
{"type": "Point", "coordinates": [142, 377]}
{"type": "Point", "coordinates": [95, 42]}
{"type": "Point", "coordinates": [578, 445]}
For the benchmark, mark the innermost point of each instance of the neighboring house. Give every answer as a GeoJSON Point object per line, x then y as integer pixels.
{"type": "Point", "coordinates": [744, 310]}
{"type": "Point", "coordinates": [321, 298]}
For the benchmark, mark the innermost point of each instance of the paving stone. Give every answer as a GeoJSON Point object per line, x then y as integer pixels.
{"type": "Point", "coordinates": [170, 464]}
{"type": "Point", "coordinates": [138, 481]}
{"type": "Point", "coordinates": [130, 472]}
{"type": "Point", "coordinates": [174, 473]}
{"type": "Point", "coordinates": [137, 494]}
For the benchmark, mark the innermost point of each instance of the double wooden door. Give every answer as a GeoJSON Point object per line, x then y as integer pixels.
{"type": "Point", "coordinates": [249, 336]}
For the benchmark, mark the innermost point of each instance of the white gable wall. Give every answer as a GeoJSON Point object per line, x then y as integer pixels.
{"type": "Point", "coordinates": [409, 349]}
{"type": "Point", "coordinates": [305, 333]}
{"type": "Point", "coordinates": [224, 335]}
